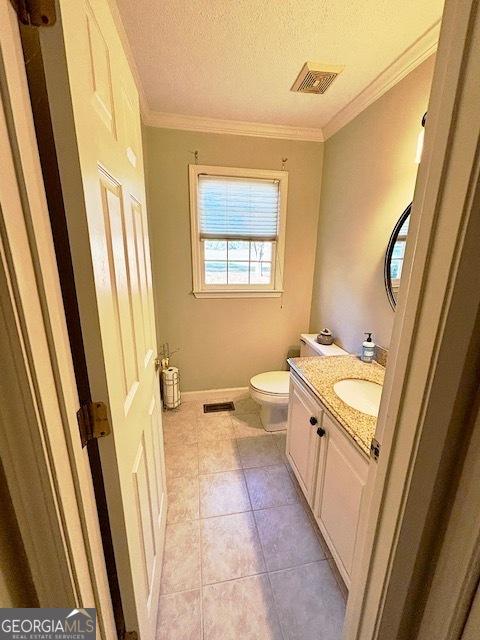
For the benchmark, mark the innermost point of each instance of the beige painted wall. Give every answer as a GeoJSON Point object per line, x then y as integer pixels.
{"type": "Point", "coordinates": [368, 180]}
{"type": "Point", "coordinates": [223, 342]}
{"type": "Point", "coordinates": [16, 587]}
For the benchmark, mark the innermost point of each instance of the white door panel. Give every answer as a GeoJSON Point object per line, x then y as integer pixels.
{"type": "Point", "coordinates": [111, 259]}
{"type": "Point", "coordinates": [47, 470]}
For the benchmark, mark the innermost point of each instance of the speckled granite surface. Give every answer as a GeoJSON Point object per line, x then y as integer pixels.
{"type": "Point", "coordinates": [321, 373]}
{"type": "Point", "coordinates": [381, 355]}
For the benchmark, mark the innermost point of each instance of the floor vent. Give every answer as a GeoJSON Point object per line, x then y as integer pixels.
{"type": "Point", "coordinates": [218, 406]}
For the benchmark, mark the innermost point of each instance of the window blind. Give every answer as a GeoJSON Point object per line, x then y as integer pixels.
{"type": "Point", "coordinates": [238, 208]}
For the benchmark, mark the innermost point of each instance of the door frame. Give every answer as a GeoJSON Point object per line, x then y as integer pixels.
{"type": "Point", "coordinates": [47, 471]}
{"type": "Point", "coordinates": [431, 382]}
{"type": "Point", "coordinates": [453, 606]}
{"type": "Point", "coordinates": [402, 487]}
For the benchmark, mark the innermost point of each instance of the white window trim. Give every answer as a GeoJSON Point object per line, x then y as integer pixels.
{"type": "Point", "coordinates": [200, 290]}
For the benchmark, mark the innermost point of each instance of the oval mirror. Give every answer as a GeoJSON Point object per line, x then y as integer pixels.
{"type": "Point", "coordinates": [394, 256]}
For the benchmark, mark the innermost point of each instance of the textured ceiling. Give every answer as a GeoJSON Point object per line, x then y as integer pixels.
{"type": "Point", "coordinates": [237, 59]}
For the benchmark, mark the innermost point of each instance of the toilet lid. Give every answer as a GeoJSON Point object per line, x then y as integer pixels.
{"type": "Point", "coordinates": [272, 382]}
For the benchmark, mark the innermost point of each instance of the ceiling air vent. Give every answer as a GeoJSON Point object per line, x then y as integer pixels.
{"type": "Point", "coordinates": [315, 77]}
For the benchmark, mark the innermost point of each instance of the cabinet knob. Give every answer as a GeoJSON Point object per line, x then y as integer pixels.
{"type": "Point", "coordinates": [313, 421]}
{"type": "Point", "coordinates": [320, 432]}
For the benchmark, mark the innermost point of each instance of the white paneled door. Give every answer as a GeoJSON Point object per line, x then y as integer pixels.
{"type": "Point", "coordinates": [96, 118]}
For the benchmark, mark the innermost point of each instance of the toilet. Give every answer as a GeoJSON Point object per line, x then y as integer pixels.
{"type": "Point", "coordinates": [270, 390]}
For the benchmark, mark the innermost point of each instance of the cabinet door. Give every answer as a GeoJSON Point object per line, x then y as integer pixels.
{"type": "Point", "coordinates": [339, 493]}
{"type": "Point", "coordinates": [302, 439]}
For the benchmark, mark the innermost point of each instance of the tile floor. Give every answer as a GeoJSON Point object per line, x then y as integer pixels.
{"type": "Point", "coordinates": [243, 559]}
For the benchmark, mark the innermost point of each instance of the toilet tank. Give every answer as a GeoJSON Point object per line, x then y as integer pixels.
{"type": "Point", "coordinates": [310, 347]}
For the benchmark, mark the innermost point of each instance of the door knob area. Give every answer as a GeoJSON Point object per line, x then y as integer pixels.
{"type": "Point", "coordinates": [320, 432]}
{"type": "Point", "coordinates": [313, 421]}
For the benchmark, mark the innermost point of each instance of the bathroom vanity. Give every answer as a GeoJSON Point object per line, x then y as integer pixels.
{"type": "Point", "coordinates": [328, 447]}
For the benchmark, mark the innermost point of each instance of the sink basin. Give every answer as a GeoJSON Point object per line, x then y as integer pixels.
{"type": "Point", "coordinates": [362, 395]}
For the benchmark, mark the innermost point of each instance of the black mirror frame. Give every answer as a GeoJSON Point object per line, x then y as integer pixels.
{"type": "Point", "coordinates": [388, 255]}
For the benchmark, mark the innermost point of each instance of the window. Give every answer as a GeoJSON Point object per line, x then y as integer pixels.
{"type": "Point", "coordinates": [238, 231]}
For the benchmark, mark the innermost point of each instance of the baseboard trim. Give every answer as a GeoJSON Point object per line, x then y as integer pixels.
{"type": "Point", "coordinates": [213, 394]}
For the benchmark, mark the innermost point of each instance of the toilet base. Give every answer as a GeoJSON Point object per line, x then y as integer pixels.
{"type": "Point", "coordinates": [274, 417]}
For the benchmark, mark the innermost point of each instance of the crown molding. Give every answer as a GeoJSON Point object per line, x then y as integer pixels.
{"type": "Point", "coordinates": [411, 58]}
{"type": "Point", "coordinates": [233, 127]}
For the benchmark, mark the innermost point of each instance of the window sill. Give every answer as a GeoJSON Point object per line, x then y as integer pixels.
{"type": "Point", "coordinates": [250, 293]}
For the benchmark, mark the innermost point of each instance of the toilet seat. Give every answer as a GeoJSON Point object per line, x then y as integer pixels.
{"type": "Point", "coordinates": [274, 383]}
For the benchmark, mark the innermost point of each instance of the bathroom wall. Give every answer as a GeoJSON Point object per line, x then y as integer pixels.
{"type": "Point", "coordinates": [368, 179]}
{"type": "Point", "coordinates": [223, 342]}
{"type": "Point", "coordinates": [16, 587]}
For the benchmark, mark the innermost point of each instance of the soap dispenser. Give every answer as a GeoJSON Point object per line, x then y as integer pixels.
{"type": "Point", "coordinates": [368, 349]}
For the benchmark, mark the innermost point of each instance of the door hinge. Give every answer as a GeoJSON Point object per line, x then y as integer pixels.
{"type": "Point", "coordinates": [35, 13]}
{"type": "Point", "coordinates": [375, 449]}
{"type": "Point", "coordinates": [93, 421]}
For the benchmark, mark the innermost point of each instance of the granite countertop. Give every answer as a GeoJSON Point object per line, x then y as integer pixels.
{"type": "Point", "coordinates": [321, 373]}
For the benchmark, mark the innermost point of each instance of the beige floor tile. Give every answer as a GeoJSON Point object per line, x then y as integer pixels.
{"type": "Point", "coordinates": [287, 537]}
{"type": "Point", "coordinates": [218, 455]}
{"type": "Point", "coordinates": [318, 533]}
{"type": "Point", "coordinates": [182, 431]}
{"type": "Point", "coordinates": [230, 548]}
{"type": "Point", "coordinates": [212, 399]}
{"type": "Point", "coordinates": [270, 487]}
{"type": "Point", "coordinates": [195, 405]}
{"type": "Point", "coordinates": [321, 539]}
{"type": "Point", "coordinates": [308, 511]}
{"type": "Point", "coordinates": [240, 610]}
{"type": "Point", "coordinates": [340, 582]}
{"type": "Point", "coordinates": [215, 427]}
{"type": "Point", "coordinates": [181, 557]}
{"type": "Point", "coordinates": [238, 394]}
{"type": "Point", "coordinates": [181, 460]}
{"type": "Point", "coordinates": [248, 425]}
{"type": "Point", "coordinates": [223, 493]}
{"type": "Point", "coordinates": [183, 499]}
{"type": "Point", "coordinates": [280, 440]}
{"type": "Point", "coordinates": [297, 486]}
{"type": "Point", "coordinates": [246, 405]}
{"type": "Point", "coordinates": [316, 610]}
{"type": "Point", "coordinates": [258, 452]}
{"type": "Point", "coordinates": [187, 410]}
{"type": "Point", "coordinates": [179, 617]}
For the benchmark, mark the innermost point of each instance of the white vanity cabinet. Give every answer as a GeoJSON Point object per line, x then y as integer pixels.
{"type": "Point", "coordinates": [340, 484]}
{"type": "Point", "coordinates": [304, 417]}
{"type": "Point", "coordinates": [331, 470]}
